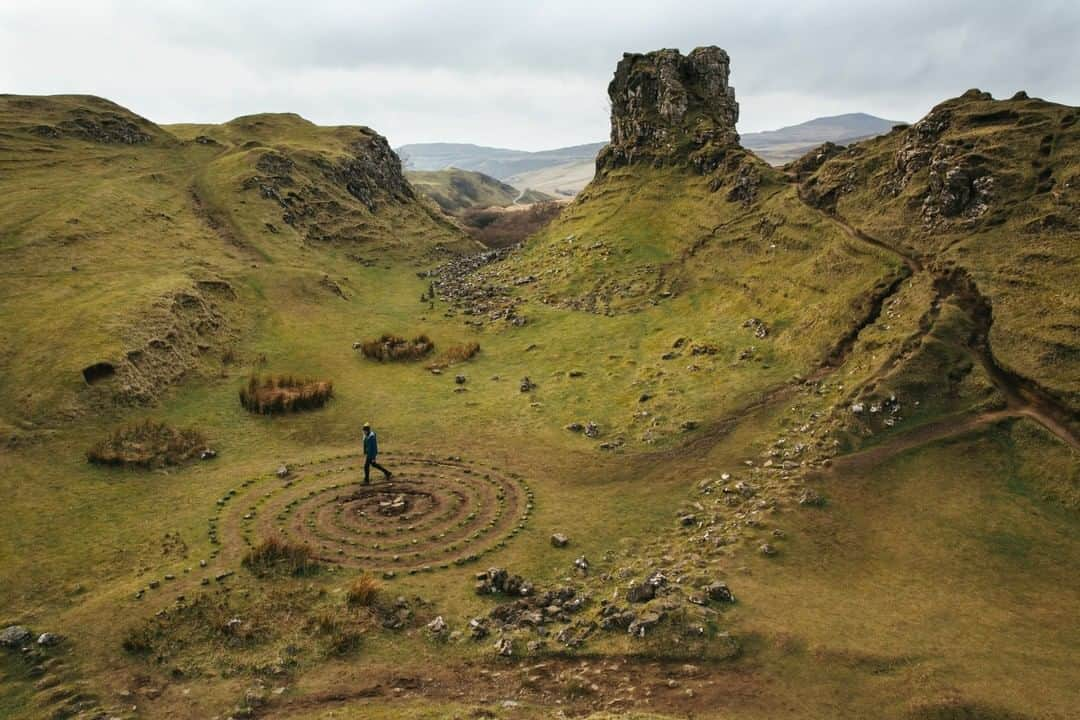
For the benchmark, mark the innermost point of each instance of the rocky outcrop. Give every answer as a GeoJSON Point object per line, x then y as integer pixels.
{"type": "Point", "coordinates": [668, 107]}
{"type": "Point", "coordinates": [320, 193]}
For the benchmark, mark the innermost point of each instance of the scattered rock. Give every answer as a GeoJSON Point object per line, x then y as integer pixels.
{"type": "Point", "coordinates": [283, 471]}
{"type": "Point", "coordinates": [498, 580]}
{"type": "Point", "coordinates": [559, 540]}
{"type": "Point", "coordinates": [767, 550]}
{"type": "Point", "coordinates": [208, 454]}
{"type": "Point", "coordinates": [438, 627]}
{"type": "Point", "coordinates": [644, 623]}
{"type": "Point", "coordinates": [478, 628]}
{"type": "Point", "coordinates": [14, 636]}
{"type": "Point", "coordinates": [719, 592]}
{"type": "Point", "coordinates": [592, 430]}
{"type": "Point", "coordinates": [504, 647]}
{"type": "Point", "coordinates": [527, 385]}
{"type": "Point", "coordinates": [460, 379]}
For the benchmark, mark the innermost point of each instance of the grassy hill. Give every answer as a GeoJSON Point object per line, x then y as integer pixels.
{"type": "Point", "coordinates": [456, 190]}
{"type": "Point", "coordinates": [843, 388]}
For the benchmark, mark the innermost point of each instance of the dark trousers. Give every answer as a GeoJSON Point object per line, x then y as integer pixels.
{"type": "Point", "coordinates": [369, 462]}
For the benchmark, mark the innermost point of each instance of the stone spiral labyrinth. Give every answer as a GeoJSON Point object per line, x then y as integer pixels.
{"type": "Point", "coordinates": [434, 513]}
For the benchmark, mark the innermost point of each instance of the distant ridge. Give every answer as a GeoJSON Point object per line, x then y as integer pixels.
{"type": "Point", "coordinates": [788, 143]}
{"type": "Point", "coordinates": [565, 171]}
{"type": "Point", "coordinates": [500, 163]}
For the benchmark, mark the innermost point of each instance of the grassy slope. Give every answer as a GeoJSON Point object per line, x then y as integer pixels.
{"type": "Point", "coordinates": [456, 190]}
{"type": "Point", "coordinates": [1022, 252]}
{"type": "Point", "coordinates": [87, 538]}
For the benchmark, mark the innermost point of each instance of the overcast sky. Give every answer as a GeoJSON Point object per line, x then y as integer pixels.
{"type": "Point", "coordinates": [527, 75]}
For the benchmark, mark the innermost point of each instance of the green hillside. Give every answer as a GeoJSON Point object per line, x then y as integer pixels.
{"type": "Point", "coordinates": [456, 190]}
{"type": "Point", "coordinates": [759, 442]}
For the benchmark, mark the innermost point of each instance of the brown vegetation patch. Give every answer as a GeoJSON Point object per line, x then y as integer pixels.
{"type": "Point", "coordinates": [395, 347]}
{"type": "Point", "coordinates": [147, 444]}
{"type": "Point", "coordinates": [284, 393]}
{"type": "Point", "coordinates": [457, 353]}
{"type": "Point", "coordinates": [502, 227]}
{"type": "Point", "coordinates": [276, 555]}
{"type": "Point", "coordinates": [363, 592]}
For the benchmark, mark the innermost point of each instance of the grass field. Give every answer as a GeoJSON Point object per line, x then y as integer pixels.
{"type": "Point", "coordinates": [936, 580]}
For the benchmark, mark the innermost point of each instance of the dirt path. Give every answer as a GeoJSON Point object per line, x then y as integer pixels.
{"type": "Point", "coordinates": [1024, 397]}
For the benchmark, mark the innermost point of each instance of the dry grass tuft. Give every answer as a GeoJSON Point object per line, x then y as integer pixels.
{"type": "Point", "coordinates": [363, 592]}
{"type": "Point", "coordinates": [276, 555]}
{"type": "Point", "coordinates": [395, 347]}
{"type": "Point", "coordinates": [147, 444]}
{"type": "Point", "coordinates": [459, 353]}
{"type": "Point", "coordinates": [284, 393]}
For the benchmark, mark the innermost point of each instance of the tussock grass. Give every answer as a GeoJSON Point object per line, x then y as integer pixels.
{"type": "Point", "coordinates": [363, 592]}
{"type": "Point", "coordinates": [396, 348]}
{"type": "Point", "coordinates": [284, 393]}
{"type": "Point", "coordinates": [147, 444]}
{"type": "Point", "coordinates": [457, 353]}
{"type": "Point", "coordinates": [277, 556]}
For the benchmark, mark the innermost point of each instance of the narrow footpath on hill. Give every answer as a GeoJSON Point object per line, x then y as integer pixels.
{"type": "Point", "coordinates": [1023, 396]}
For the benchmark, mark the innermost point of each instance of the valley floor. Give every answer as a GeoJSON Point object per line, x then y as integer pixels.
{"type": "Point", "coordinates": [919, 569]}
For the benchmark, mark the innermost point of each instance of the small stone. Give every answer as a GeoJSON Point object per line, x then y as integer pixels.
{"type": "Point", "coordinates": [641, 592]}
{"type": "Point", "coordinates": [437, 627]}
{"type": "Point", "coordinates": [504, 647]}
{"type": "Point", "coordinates": [283, 471]}
{"type": "Point", "coordinates": [645, 622]}
{"type": "Point", "coordinates": [208, 454]}
{"type": "Point", "coordinates": [688, 520]}
{"type": "Point", "coordinates": [14, 636]}
{"type": "Point", "coordinates": [460, 379]}
{"type": "Point", "coordinates": [719, 592]}
{"type": "Point", "coordinates": [767, 550]}
{"type": "Point", "coordinates": [559, 540]}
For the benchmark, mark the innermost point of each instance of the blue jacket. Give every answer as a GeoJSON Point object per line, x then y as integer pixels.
{"type": "Point", "coordinates": [371, 445]}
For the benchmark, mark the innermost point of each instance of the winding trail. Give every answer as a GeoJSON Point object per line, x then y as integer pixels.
{"type": "Point", "coordinates": [1023, 396]}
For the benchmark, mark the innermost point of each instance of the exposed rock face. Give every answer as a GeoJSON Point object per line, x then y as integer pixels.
{"type": "Point", "coordinates": [669, 107]}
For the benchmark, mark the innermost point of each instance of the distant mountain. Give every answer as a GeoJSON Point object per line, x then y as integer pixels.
{"type": "Point", "coordinates": [499, 163]}
{"type": "Point", "coordinates": [455, 190]}
{"type": "Point", "coordinates": [788, 143]}
{"type": "Point", "coordinates": [564, 172]}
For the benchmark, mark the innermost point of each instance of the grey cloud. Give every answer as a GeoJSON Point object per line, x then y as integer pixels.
{"type": "Point", "coordinates": [528, 75]}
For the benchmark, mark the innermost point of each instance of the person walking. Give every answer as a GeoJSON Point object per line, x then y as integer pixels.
{"type": "Point", "coordinates": [371, 452]}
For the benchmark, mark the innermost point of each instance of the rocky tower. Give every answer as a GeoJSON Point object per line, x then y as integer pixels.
{"type": "Point", "coordinates": [669, 107]}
